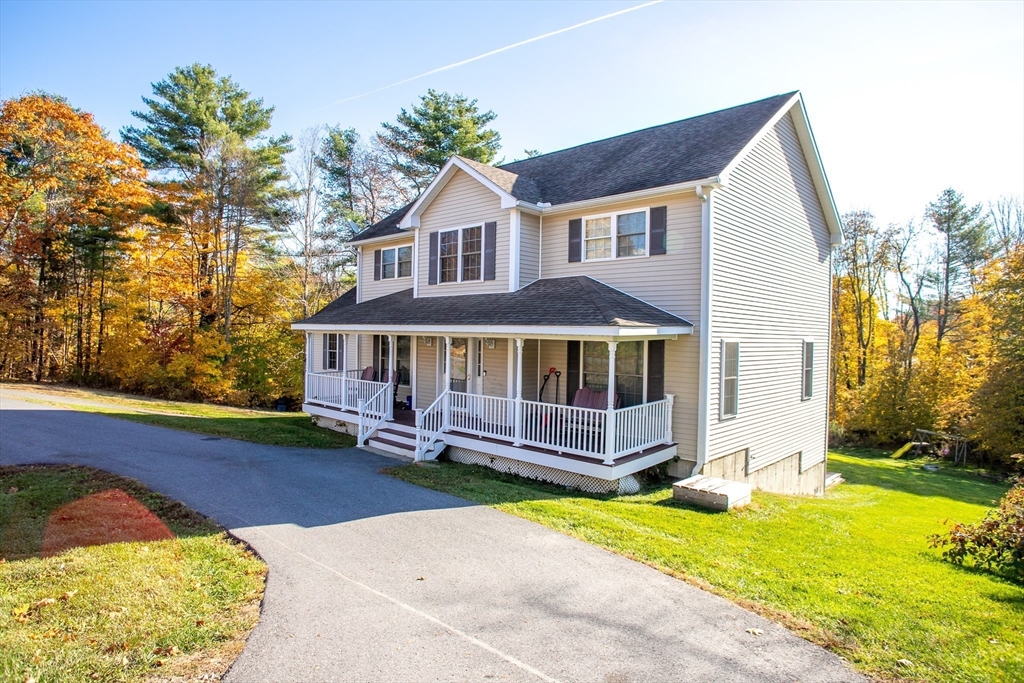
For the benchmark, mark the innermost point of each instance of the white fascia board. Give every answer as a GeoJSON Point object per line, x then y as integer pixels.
{"type": "Point", "coordinates": [567, 332]}
{"type": "Point", "coordinates": [411, 218]}
{"type": "Point", "coordinates": [661, 191]}
{"type": "Point", "coordinates": [377, 240]}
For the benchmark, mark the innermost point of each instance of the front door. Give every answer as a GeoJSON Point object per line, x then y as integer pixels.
{"type": "Point", "coordinates": [467, 365]}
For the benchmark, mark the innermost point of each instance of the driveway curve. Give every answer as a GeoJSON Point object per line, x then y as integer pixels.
{"type": "Point", "coordinates": [374, 579]}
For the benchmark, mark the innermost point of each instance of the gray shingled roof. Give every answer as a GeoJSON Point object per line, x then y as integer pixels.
{"type": "Point", "coordinates": [683, 151]}
{"type": "Point", "coordinates": [578, 301]}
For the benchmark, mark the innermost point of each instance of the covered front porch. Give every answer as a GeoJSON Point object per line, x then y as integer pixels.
{"type": "Point", "coordinates": [566, 374]}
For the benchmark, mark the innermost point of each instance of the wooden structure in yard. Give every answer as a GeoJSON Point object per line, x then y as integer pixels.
{"type": "Point", "coordinates": [712, 492]}
{"type": "Point", "coordinates": [941, 444]}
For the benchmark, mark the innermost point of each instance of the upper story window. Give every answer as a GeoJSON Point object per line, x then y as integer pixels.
{"type": "Point", "coordinates": [460, 254]}
{"type": "Point", "coordinates": [618, 235]}
{"type": "Point", "coordinates": [395, 262]}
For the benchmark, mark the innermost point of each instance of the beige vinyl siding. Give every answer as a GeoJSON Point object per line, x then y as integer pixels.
{"type": "Point", "coordinates": [770, 290]}
{"type": "Point", "coordinates": [496, 367]}
{"type": "Point", "coordinates": [426, 372]}
{"type": "Point", "coordinates": [529, 248]}
{"type": "Point", "coordinates": [670, 281]}
{"type": "Point", "coordinates": [531, 360]}
{"type": "Point", "coordinates": [461, 203]}
{"type": "Point", "coordinates": [553, 355]}
{"type": "Point", "coordinates": [370, 288]}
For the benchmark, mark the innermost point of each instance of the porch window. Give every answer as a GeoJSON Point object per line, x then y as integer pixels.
{"type": "Point", "coordinates": [729, 397]}
{"type": "Point", "coordinates": [460, 254]}
{"type": "Point", "coordinates": [332, 344]}
{"type": "Point", "coordinates": [629, 369]}
{"type": "Point", "coordinates": [618, 235]}
{"type": "Point", "coordinates": [403, 358]}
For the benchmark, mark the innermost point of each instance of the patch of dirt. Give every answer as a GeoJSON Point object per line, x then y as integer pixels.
{"type": "Point", "coordinates": [110, 516]}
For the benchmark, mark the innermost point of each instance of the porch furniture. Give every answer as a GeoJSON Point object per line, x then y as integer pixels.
{"type": "Point", "coordinates": [368, 374]}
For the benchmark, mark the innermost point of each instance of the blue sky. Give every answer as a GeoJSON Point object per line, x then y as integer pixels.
{"type": "Point", "coordinates": [905, 98]}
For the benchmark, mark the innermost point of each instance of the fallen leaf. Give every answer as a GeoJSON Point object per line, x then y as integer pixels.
{"type": "Point", "coordinates": [44, 602]}
{"type": "Point", "coordinates": [68, 595]}
{"type": "Point", "coordinates": [13, 489]}
{"type": "Point", "coordinates": [421, 578]}
{"type": "Point", "coordinates": [993, 641]}
{"type": "Point", "coordinates": [124, 661]}
{"type": "Point", "coordinates": [755, 631]}
{"type": "Point", "coordinates": [199, 622]}
{"type": "Point", "coordinates": [904, 662]}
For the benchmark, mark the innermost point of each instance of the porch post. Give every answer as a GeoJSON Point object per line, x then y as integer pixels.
{"type": "Point", "coordinates": [447, 381]}
{"type": "Point", "coordinates": [519, 393]}
{"type": "Point", "coordinates": [393, 375]}
{"type": "Point", "coordinates": [609, 428]}
{"type": "Point", "coordinates": [309, 363]}
{"type": "Point", "coordinates": [344, 370]}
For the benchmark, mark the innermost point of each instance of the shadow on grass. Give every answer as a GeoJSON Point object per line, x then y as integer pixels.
{"type": "Point", "coordinates": [31, 494]}
{"type": "Point", "coordinates": [285, 429]}
{"type": "Point", "coordinates": [875, 468]}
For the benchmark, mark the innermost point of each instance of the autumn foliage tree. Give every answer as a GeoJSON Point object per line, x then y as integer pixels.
{"type": "Point", "coordinates": [69, 199]}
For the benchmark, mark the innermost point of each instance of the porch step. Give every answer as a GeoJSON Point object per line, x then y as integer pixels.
{"type": "Point", "coordinates": [390, 446]}
{"type": "Point", "coordinates": [399, 436]}
{"type": "Point", "coordinates": [711, 492]}
{"type": "Point", "coordinates": [833, 479]}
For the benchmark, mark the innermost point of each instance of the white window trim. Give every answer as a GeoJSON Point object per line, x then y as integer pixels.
{"type": "Point", "coordinates": [804, 396]}
{"type": "Point", "coordinates": [483, 248]}
{"type": "Point", "coordinates": [615, 234]}
{"type": "Point", "coordinates": [395, 249]}
{"type": "Point", "coordinates": [721, 378]}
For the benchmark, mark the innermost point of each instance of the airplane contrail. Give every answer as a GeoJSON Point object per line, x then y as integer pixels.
{"type": "Point", "coordinates": [494, 52]}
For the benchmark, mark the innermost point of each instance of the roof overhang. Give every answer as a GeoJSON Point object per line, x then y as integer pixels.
{"type": "Point", "coordinates": [455, 164]}
{"type": "Point", "coordinates": [813, 158]}
{"type": "Point", "coordinates": [547, 331]}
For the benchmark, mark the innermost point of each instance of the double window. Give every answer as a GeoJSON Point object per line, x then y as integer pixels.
{"type": "Point", "coordinates": [396, 262]}
{"type": "Point", "coordinates": [629, 369]}
{"type": "Point", "coordinates": [729, 390]}
{"type": "Point", "coordinates": [460, 254]}
{"type": "Point", "coordinates": [617, 235]}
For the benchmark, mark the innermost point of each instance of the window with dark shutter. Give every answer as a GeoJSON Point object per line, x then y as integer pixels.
{"type": "Point", "coordinates": [490, 237]}
{"type": "Point", "coordinates": [376, 264]}
{"type": "Point", "coordinates": [572, 370]}
{"type": "Point", "coordinates": [655, 370]}
{"type": "Point", "coordinates": [575, 240]}
{"type": "Point", "coordinates": [432, 273]}
{"type": "Point", "coordinates": [659, 222]}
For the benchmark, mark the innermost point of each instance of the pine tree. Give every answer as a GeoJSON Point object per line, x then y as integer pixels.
{"type": "Point", "coordinates": [440, 127]}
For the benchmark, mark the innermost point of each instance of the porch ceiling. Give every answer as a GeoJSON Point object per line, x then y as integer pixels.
{"type": "Point", "coordinates": [569, 306]}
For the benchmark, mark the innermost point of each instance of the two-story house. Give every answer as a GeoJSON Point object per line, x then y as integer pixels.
{"type": "Point", "coordinates": [686, 267]}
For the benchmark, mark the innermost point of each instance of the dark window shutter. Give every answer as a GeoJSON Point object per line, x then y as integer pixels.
{"type": "Point", "coordinates": [572, 370]}
{"type": "Point", "coordinates": [432, 272]}
{"type": "Point", "coordinates": [376, 264]}
{"type": "Point", "coordinates": [490, 237]}
{"type": "Point", "coordinates": [659, 222]}
{"type": "Point", "coordinates": [575, 240]}
{"type": "Point", "coordinates": [655, 369]}
{"type": "Point", "coordinates": [324, 366]}
{"type": "Point", "coordinates": [376, 357]}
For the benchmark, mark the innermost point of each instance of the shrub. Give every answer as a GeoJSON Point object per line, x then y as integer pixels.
{"type": "Point", "coordinates": [996, 542]}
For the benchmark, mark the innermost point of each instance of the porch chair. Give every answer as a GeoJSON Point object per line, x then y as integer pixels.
{"type": "Point", "coordinates": [368, 374]}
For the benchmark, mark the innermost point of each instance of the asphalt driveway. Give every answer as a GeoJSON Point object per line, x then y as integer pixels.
{"type": "Point", "coordinates": [374, 579]}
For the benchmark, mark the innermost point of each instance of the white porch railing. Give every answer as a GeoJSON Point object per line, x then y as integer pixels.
{"type": "Point", "coordinates": [429, 425]}
{"type": "Point", "coordinates": [565, 429]}
{"type": "Point", "coordinates": [337, 391]}
{"type": "Point", "coordinates": [642, 426]}
{"type": "Point", "coordinates": [482, 415]}
{"type": "Point", "coordinates": [374, 411]}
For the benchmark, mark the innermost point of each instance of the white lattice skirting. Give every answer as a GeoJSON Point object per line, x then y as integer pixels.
{"type": "Point", "coordinates": [624, 486]}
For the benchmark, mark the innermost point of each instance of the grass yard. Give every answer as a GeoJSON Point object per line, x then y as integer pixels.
{"type": "Point", "coordinates": [258, 426]}
{"type": "Point", "coordinates": [120, 611]}
{"type": "Point", "coordinates": [851, 571]}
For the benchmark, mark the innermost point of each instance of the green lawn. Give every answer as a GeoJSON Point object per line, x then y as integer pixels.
{"type": "Point", "coordinates": [119, 611]}
{"type": "Point", "coordinates": [851, 571]}
{"type": "Point", "coordinates": [257, 426]}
